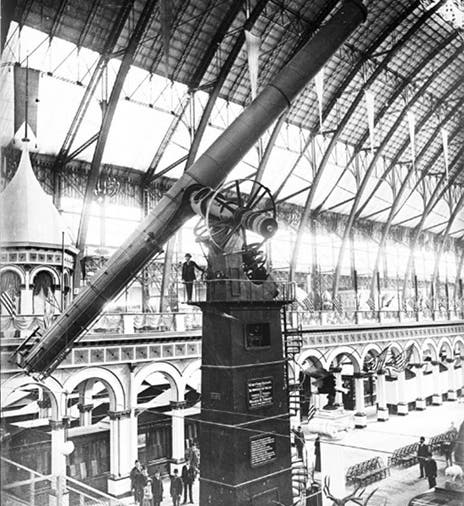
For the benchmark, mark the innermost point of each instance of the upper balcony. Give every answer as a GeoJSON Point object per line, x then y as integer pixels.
{"type": "Point", "coordinates": [140, 325]}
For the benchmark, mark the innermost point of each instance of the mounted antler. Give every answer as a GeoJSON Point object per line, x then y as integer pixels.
{"type": "Point", "coordinates": [362, 501]}
{"type": "Point", "coordinates": [355, 497]}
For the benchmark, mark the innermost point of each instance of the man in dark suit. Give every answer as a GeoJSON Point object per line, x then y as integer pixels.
{"type": "Point", "coordinates": [430, 467]}
{"type": "Point", "coordinates": [422, 453]}
{"type": "Point", "coordinates": [188, 274]}
{"type": "Point", "coordinates": [299, 441]}
{"type": "Point", "coordinates": [138, 482]}
{"type": "Point", "coordinates": [176, 488]}
{"type": "Point", "coordinates": [157, 489]}
{"type": "Point", "coordinates": [188, 477]}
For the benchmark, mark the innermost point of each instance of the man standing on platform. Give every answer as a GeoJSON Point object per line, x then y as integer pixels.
{"type": "Point", "coordinates": [176, 488]}
{"type": "Point", "coordinates": [188, 274]}
{"type": "Point", "coordinates": [430, 467]}
{"type": "Point", "coordinates": [422, 453]}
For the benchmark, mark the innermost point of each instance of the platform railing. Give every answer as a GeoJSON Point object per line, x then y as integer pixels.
{"type": "Point", "coordinates": [26, 486]}
{"type": "Point", "coordinates": [243, 290]}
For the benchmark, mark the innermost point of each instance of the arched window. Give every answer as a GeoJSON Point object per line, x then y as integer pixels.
{"type": "Point", "coordinates": [43, 294]}
{"type": "Point", "coordinates": [10, 290]}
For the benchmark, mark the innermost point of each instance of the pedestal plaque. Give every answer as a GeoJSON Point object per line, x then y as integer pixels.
{"type": "Point", "coordinates": [262, 450]}
{"type": "Point", "coordinates": [260, 392]}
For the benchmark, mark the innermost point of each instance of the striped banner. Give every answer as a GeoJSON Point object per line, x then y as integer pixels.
{"type": "Point", "coordinates": [375, 364]}
{"type": "Point", "coordinates": [311, 412]}
{"type": "Point", "coordinates": [399, 361]}
{"type": "Point", "coordinates": [9, 304]}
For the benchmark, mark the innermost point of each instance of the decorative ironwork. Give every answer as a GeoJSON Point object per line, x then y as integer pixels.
{"type": "Point", "coordinates": [107, 187]}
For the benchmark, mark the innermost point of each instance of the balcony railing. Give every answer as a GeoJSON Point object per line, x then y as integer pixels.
{"type": "Point", "coordinates": [22, 485]}
{"type": "Point", "coordinates": [138, 323]}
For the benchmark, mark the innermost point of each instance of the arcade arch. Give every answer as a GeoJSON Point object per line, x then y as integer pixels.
{"type": "Point", "coordinates": [117, 396]}
{"type": "Point", "coordinates": [429, 350]}
{"type": "Point", "coordinates": [445, 348]}
{"type": "Point", "coordinates": [50, 385]}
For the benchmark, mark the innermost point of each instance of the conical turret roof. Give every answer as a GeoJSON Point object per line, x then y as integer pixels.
{"type": "Point", "coordinates": [28, 215]}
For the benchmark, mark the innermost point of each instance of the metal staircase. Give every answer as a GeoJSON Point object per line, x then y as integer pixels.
{"type": "Point", "coordinates": [293, 343]}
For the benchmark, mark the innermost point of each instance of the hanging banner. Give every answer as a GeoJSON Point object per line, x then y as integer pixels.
{"type": "Point", "coordinates": [26, 95]}
{"type": "Point", "coordinates": [166, 18]}
{"type": "Point", "coordinates": [253, 44]}
{"type": "Point", "coordinates": [444, 138]}
{"type": "Point", "coordinates": [412, 128]}
{"type": "Point", "coordinates": [369, 97]}
{"type": "Point", "coordinates": [319, 84]}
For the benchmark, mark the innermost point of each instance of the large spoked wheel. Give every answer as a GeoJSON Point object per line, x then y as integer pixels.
{"type": "Point", "coordinates": [237, 197]}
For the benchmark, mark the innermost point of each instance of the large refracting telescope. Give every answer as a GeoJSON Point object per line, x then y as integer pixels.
{"type": "Point", "coordinates": [41, 354]}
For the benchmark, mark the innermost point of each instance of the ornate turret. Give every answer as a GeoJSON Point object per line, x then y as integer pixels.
{"type": "Point", "coordinates": [33, 237]}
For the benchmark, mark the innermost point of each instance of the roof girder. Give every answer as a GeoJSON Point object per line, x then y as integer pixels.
{"type": "Point", "coordinates": [218, 37]}
{"type": "Point", "coordinates": [372, 165]}
{"type": "Point", "coordinates": [108, 115]}
{"type": "Point", "coordinates": [224, 72]}
{"type": "Point", "coordinates": [76, 122]}
{"type": "Point", "coordinates": [387, 32]}
{"type": "Point", "coordinates": [396, 201]}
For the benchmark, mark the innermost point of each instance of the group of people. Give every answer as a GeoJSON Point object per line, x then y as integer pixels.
{"type": "Point", "coordinates": [149, 491]}
{"type": "Point", "coordinates": [427, 464]}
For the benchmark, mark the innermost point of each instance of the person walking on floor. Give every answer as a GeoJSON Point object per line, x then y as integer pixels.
{"type": "Point", "coordinates": [299, 441]}
{"type": "Point", "coordinates": [138, 482]}
{"type": "Point", "coordinates": [430, 467]}
{"type": "Point", "coordinates": [157, 489]}
{"type": "Point", "coordinates": [448, 448]}
{"type": "Point", "coordinates": [422, 453]}
{"type": "Point", "coordinates": [188, 274]}
{"type": "Point", "coordinates": [176, 488]}
{"type": "Point", "coordinates": [188, 477]}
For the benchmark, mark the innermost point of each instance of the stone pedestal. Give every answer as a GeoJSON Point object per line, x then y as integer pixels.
{"type": "Point", "coordinates": [402, 409]}
{"type": "Point", "coordinates": [382, 414]}
{"type": "Point", "coordinates": [331, 423]}
{"type": "Point", "coordinates": [332, 467]}
{"type": "Point", "coordinates": [119, 487]}
{"type": "Point", "coordinates": [437, 400]}
{"type": "Point", "coordinates": [452, 395]}
{"type": "Point", "coordinates": [420, 404]}
{"type": "Point", "coordinates": [244, 429]}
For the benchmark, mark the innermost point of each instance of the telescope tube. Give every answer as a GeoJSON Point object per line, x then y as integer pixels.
{"type": "Point", "coordinates": [211, 169]}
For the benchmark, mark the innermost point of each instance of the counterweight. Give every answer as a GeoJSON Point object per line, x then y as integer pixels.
{"type": "Point", "coordinates": [42, 354]}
